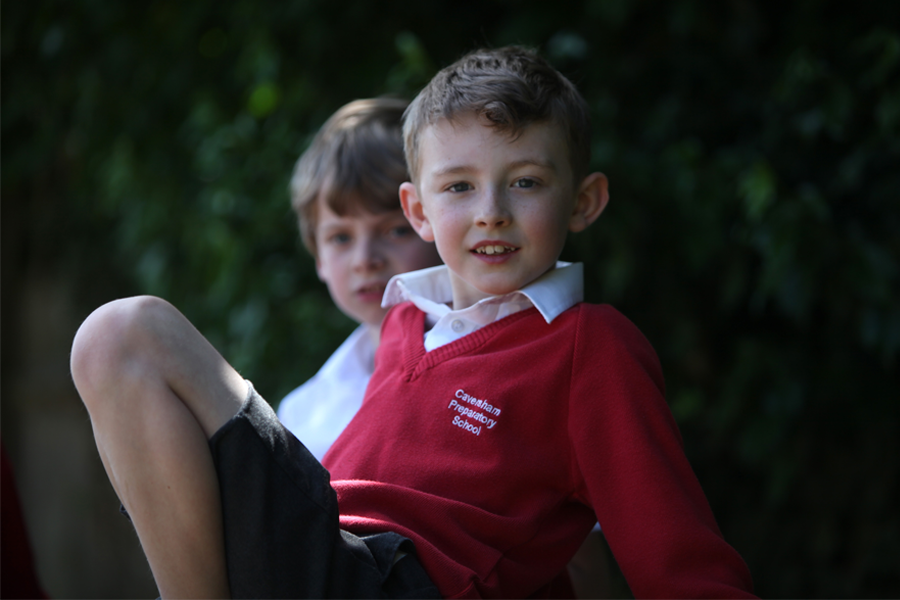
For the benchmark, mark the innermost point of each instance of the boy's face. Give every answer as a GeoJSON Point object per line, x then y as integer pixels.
{"type": "Point", "coordinates": [359, 252]}
{"type": "Point", "coordinates": [498, 206]}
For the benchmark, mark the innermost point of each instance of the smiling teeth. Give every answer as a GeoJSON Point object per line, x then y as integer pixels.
{"type": "Point", "coordinates": [494, 250]}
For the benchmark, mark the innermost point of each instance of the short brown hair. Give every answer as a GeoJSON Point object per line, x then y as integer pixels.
{"type": "Point", "coordinates": [355, 161]}
{"type": "Point", "coordinates": [510, 88]}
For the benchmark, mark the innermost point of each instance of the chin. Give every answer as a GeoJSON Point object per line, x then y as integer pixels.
{"type": "Point", "coordinates": [500, 288]}
{"type": "Point", "coordinates": [374, 320]}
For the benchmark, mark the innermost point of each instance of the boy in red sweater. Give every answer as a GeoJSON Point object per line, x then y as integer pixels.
{"type": "Point", "coordinates": [504, 418]}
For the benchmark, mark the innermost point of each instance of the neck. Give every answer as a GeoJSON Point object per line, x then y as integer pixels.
{"type": "Point", "coordinates": [374, 333]}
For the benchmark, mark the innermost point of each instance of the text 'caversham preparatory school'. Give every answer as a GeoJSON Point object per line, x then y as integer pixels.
{"type": "Point", "coordinates": [467, 412]}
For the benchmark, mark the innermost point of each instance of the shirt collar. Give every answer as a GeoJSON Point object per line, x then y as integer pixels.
{"type": "Point", "coordinates": [554, 292]}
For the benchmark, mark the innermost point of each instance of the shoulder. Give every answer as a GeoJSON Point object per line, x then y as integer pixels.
{"type": "Point", "coordinates": [399, 318]}
{"type": "Point", "coordinates": [297, 399]}
{"type": "Point", "coordinates": [604, 317]}
{"type": "Point", "coordinates": [604, 324]}
{"type": "Point", "coordinates": [349, 365]}
{"type": "Point", "coordinates": [400, 311]}
{"type": "Point", "coordinates": [603, 334]}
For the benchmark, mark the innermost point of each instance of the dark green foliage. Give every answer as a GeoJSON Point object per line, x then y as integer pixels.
{"type": "Point", "coordinates": [753, 151]}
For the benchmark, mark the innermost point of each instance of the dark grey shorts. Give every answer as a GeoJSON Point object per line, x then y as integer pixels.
{"type": "Point", "coordinates": [282, 537]}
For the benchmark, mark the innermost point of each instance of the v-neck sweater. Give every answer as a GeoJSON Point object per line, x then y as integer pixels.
{"type": "Point", "coordinates": [498, 452]}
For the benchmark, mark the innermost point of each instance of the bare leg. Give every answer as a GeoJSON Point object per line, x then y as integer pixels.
{"type": "Point", "coordinates": [156, 390]}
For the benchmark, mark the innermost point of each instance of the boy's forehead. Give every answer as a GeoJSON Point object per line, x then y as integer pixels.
{"type": "Point", "coordinates": [353, 205]}
{"type": "Point", "coordinates": [449, 145]}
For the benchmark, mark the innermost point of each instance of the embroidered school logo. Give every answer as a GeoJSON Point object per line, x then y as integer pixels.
{"type": "Point", "coordinates": [474, 414]}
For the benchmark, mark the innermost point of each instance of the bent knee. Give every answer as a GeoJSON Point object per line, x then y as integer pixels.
{"type": "Point", "coordinates": [113, 337]}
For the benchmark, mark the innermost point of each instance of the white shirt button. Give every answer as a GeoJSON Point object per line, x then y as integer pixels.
{"type": "Point", "coordinates": [457, 326]}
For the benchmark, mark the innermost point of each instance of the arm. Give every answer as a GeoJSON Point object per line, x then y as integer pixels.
{"type": "Point", "coordinates": [653, 512]}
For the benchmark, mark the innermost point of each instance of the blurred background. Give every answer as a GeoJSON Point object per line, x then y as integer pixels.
{"type": "Point", "coordinates": [753, 150]}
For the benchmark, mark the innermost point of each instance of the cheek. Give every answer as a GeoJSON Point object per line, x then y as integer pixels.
{"type": "Point", "coordinates": [413, 255]}
{"type": "Point", "coordinates": [322, 267]}
{"type": "Point", "coordinates": [330, 267]}
{"type": "Point", "coordinates": [339, 290]}
{"type": "Point", "coordinates": [549, 228]}
{"type": "Point", "coordinates": [451, 228]}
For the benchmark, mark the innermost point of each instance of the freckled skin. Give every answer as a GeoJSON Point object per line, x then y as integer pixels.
{"type": "Point", "coordinates": [479, 188]}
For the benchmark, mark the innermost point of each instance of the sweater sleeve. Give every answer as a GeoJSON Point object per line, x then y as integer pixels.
{"type": "Point", "coordinates": [634, 472]}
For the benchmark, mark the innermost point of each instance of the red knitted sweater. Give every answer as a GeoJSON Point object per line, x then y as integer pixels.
{"type": "Point", "coordinates": [495, 452]}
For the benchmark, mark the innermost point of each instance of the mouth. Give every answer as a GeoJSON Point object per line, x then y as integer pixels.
{"type": "Point", "coordinates": [371, 290]}
{"type": "Point", "coordinates": [494, 248]}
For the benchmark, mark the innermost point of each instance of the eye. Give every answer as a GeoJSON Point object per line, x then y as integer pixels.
{"type": "Point", "coordinates": [338, 239]}
{"type": "Point", "coordinates": [459, 187]}
{"type": "Point", "coordinates": [525, 183]}
{"type": "Point", "coordinates": [400, 231]}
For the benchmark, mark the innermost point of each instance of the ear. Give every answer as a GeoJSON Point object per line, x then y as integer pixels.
{"type": "Point", "coordinates": [415, 212]}
{"type": "Point", "coordinates": [593, 196]}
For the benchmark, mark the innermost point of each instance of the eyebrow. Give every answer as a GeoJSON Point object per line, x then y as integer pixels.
{"type": "Point", "coordinates": [464, 168]}
{"type": "Point", "coordinates": [381, 218]}
{"type": "Point", "coordinates": [329, 227]}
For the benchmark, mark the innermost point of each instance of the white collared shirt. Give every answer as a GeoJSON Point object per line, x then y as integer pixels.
{"type": "Point", "coordinates": [319, 410]}
{"type": "Point", "coordinates": [552, 293]}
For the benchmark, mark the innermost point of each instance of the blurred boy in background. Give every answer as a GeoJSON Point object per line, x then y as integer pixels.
{"type": "Point", "coordinates": [345, 193]}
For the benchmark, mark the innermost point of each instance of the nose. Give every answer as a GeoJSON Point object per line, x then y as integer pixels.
{"type": "Point", "coordinates": [368, 256]}
{"type": "Point", "coordinates": [493, 210]}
